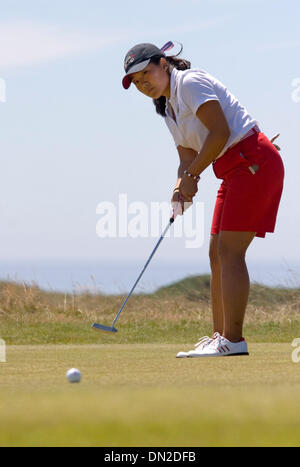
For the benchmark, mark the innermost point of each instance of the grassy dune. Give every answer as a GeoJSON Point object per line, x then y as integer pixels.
{"type": "Point", "coordinates": [177, 313]}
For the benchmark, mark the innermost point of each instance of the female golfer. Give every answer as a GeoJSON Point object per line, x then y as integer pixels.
{"type": "Point", "coordinates": [210, 126]}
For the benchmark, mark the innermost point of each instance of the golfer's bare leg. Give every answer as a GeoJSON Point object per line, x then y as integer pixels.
{"type": "Point", "coordinates": [232, 247]}
{"type": "Point", "coordinates": [216, 285]}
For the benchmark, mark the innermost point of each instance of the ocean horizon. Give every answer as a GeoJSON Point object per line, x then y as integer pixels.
{"type": "Point", "coordinates": [110, 277]}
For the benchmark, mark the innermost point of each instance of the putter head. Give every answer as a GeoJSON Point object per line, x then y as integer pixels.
{"type": "Point", "coordinates": [101, 327]}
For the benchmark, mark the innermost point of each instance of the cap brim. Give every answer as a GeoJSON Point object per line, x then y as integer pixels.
{"type": "Point", "coordinates": [138, 67]}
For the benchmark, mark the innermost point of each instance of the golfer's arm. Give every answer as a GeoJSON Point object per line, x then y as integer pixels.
{"type": "Point", "coordinates": [212, 116]}
{"type": "Point", "coordinates": [186, 156]}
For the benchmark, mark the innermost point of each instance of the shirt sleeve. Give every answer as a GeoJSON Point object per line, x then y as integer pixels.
{"type": "Point", "coordinates": [196, 90]}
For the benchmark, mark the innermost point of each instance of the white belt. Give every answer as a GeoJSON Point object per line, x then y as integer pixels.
{"type": "Point", "coordinates": [252, 130]}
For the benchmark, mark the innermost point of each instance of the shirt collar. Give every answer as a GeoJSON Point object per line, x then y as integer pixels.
{"type": "Point", "coordinates": [173, 84]}
{"type": "Point", "coordinates": [173, 88]}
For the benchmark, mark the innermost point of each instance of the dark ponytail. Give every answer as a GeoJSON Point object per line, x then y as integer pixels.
{"type": "Point", "coordinates": [174, 62]}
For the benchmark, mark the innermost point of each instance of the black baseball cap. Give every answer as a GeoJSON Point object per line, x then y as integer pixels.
{"type": "Point", "coordinates": [139, 57]}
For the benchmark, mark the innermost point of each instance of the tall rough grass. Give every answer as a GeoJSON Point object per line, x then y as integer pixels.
{"type": "Point", "coordinates": [181, 306]}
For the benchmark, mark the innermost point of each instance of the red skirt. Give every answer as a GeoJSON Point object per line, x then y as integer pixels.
{"type": "Point", "coordinates": [248, 198]}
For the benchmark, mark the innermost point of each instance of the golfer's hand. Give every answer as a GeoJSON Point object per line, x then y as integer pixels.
{"type": "Point", "coordinates": [188, 188]}
{"type": "Point", "coordinates": [176, 204]}
{"type": "Point", "coordinates": [179, 204]}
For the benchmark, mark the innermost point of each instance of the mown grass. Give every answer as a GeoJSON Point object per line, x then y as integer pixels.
{"type": "Point", "coordinates": [141, 395]}
{"type": "Point", "coordinates": [177, 313]}
{"type": "Point", "coordinates": [134, 392]}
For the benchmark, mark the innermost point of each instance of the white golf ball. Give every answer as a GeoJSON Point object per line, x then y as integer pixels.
{"type": "Point", "coordinates": [73, 375]}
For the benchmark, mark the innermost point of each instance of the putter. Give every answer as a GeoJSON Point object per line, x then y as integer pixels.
{"type": "Point", "coordinates": [101, 327]}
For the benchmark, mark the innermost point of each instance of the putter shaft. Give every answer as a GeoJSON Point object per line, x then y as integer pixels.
{"type": "Point", "coordinates": [113, 329]}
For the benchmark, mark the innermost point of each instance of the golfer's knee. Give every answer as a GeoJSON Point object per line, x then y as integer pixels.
{"type": "Point", "coordinates": [228, 253]}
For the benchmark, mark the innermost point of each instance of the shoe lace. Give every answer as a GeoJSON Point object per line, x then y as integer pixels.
{"type": "Point", "coordinates": [217, 341]}
{"type": "Point", "coordinates": [207, 340]}
{"type": "Point", "coordinates": [202, 341]}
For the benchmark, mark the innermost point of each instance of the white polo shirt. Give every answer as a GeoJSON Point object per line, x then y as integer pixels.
{"type": "Point", "coordinates": [188, 90]}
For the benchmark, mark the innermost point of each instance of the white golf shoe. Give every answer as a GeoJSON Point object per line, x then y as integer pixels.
{"type": "Point", "coordinates": [221, 347]}
{"type": "Point", "coordinates": [204, 341]}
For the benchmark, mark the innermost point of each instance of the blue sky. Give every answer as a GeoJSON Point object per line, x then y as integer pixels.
{"type": "Point", "coordinates": [71, 137]}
